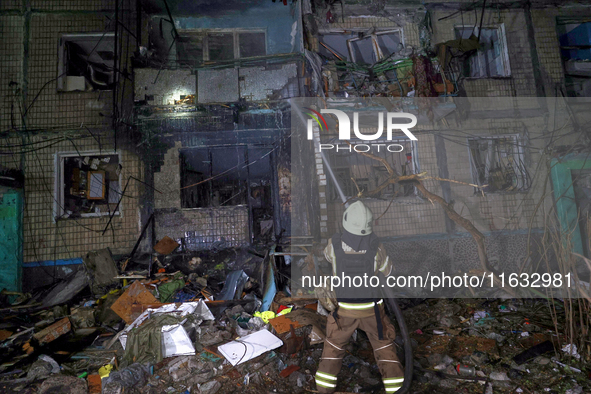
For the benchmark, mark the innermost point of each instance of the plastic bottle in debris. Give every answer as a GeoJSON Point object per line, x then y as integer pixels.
{"type": "Point", "coordinates": [465, 370]}
{"type": "Point", "coordinates": [134, 375]}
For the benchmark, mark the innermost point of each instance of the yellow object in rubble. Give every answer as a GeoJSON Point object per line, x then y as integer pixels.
{"type": "Point", "coordinates": [105, 370]}
{"type": "Point", "coordinates": [284, 312]}
{"type": "Point", "coordinates": [265, 316]}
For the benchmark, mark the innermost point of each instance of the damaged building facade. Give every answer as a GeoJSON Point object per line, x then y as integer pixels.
{"type": "Point", "coordinates": [176, 117]}
{"type": "Point", "coordinates": [211, 96]}
{"type": "Point", "coordinates": [64, 159]}
{"type": "Point", "coordinates": [499, 140]}
{"type": "Point", "coordinates": [168, 168]}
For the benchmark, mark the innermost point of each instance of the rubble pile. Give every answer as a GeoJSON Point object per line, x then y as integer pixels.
{"type": "Point", "coordinates": [492, 346]}
{"type": "Point", "coordinates": [212, 323]}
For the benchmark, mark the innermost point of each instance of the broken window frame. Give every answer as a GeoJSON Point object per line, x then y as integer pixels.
{"type": "Point", "coordinates": [245, 160]}
{"type": "Point", "coordinates": [59, 201]}
{"type": "Point", "coordinates": [573, 78]}
{"type": "Point", "coordinates": [332, 51]}
{"type": "Point", "coordinates": [349, 189]}
{"type": "Point", "coordinates": [375, 44]}
{"type": "Point", "coordinates": [62, 67]}
{"type": "Point", "coordinates": [204, 34]}
{"type": "Point", "coordinates": [481, 56]}
{"type": "Point", "coordinates": [523, 181]}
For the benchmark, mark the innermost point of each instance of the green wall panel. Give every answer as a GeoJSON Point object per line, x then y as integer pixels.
{"type": "Point", "coordinates": [11, 236]}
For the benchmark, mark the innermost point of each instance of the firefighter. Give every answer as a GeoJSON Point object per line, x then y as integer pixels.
{"type": "Point", "coordinates": [355, 252]}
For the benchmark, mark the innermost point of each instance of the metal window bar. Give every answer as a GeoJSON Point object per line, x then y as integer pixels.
{"type": "Point", "coordinates": [497, 164]}
{"type": "Point", "coordinates": [354, 170]}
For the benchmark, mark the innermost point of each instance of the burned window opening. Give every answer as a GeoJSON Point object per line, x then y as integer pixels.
{"type": "Point", "coordinates": [251, 44]}
{"type": "Point", "coordinates": [498, 164]}
{"type": "Point", "coordinates": [220, 46]}
{"type": "Point", "coordinates": [362, 51]}
{"type": "Point", "coordinates": [492, 58]}
{"type": "Point", "coordinates": [230, 176]}
{"type": "Point", "coordinates": [354, 170]}
{"type": "Point", "coordinates": [189, 48]}
{"type": "Point", "coordinates": [195, 47]}
{"type": "Point", "coordinates": [86, 62]}
{"type": "Point", "coordinates": [90, 185]}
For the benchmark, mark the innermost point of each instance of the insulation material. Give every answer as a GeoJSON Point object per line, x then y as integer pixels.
{"type": "Point", "coordinates": [102, 268]}
{"type": "Point", "coordinates": [257, 83]}
{"type": "Point", "coordinates": [218, 86]}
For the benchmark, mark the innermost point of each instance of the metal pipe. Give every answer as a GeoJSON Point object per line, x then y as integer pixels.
{"type": "Point", "coordinates": [388, 293]}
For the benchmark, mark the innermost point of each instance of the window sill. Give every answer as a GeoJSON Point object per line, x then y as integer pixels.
{"type": "Point", "coordinates": [218, 207]}
{"type": "Point", "coordinates": [61, 91]}
{"type": "Point", "coordinates": [500, 193]}
{"type": "Point", "coordinates": [89, 215]}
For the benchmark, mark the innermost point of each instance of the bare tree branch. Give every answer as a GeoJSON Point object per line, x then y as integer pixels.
{"type": "Point", "coordinates": [449, 210]}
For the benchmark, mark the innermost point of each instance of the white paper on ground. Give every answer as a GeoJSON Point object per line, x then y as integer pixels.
{"type": "Point", "coordinates": [176, 341]}
{"type": "Point", "coordinates": [249, 347]}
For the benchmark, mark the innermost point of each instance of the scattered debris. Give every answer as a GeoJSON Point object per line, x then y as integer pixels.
{"type": "Point", "coordinates": [238, 328]}
{"type": "Point", "coordinates": [53, 332]}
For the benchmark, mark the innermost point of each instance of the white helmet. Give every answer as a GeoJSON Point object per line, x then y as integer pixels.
{"type": "Point", "coordinates": [358, 219]}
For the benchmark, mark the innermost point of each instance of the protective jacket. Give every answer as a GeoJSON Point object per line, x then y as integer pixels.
{"type": "Point", "coordinates": [358, 308]}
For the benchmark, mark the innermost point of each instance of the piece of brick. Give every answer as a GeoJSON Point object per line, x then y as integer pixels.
{"type": "Point", "coordinates": [56, 330]}
{"type": "Point", "coordinates": [94, 384]}
{"type": "Point", "coordinates": [288, 371]}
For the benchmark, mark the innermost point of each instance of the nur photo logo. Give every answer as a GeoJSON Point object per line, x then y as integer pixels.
{"type": "Point", "coordinates": [392, 120]}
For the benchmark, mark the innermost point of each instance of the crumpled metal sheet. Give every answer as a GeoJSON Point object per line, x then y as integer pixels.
{"type": "Point", "coordinates": [235, 282]}
{"type": "Point", "coordinates": [67, 289]}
